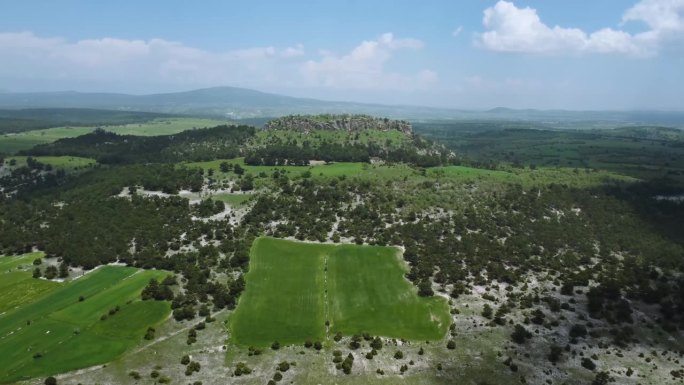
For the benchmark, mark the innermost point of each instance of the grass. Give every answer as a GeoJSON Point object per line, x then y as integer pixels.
{"type": "Point", "coordinates": [332, 170]}
{"type": "Point", "coordinates": [457, 174]}
{"type": "Point", "coordinates": [67, 333]}
{"type": "Point", "coordinates": [17, 285]}
{"type": "Point", "coordinates": [67, 163]}
{"type": "Point", "coordinates": [12, 143]}
{"type": "Point", "coordinates": [369, 294]}
{"type": "Point", "coordinates": [528, 177]}
{"type": "Point", "coordinates": [293, 288]}
{"type": "Point", "coordinates": [232, 199]}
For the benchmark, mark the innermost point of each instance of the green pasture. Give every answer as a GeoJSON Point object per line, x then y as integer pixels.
{"type": "Point", "coordinates": [11, 143]}
{"type": "Point", "coordinates": [232, 199]}
{"type": "Point", "coordinates": [17, 285]}
{"type": "Point", "coordinates": [293, 288]}
{"type": "Point", "coordinates": [576, 177]}
{"type": "Point", "coordinates": [58, 332]}
{"type": "Point", "coordinates": [67, 163]}
{"type": "Point", "coordinates": [332, 170]}
{"type": "Point", "coordinates": [528, 177]}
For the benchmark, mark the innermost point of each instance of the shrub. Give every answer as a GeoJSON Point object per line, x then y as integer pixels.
{"type": "Point", "coordinates": [520, 334]}
{"type": "Point", "coordinates": [588, 363]}
{"type": "Point", "coordinates": [284, 366]}
{"type": "Point", "coordinates": [376, 343]}
{"type": "Point", "coordinates": [578, 330]}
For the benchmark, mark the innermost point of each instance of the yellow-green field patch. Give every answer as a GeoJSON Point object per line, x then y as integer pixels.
{"type": "Point", "coordinates": [293, 288]}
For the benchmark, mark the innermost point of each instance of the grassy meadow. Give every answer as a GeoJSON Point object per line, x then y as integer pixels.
{"type": "Point", "coordinates": [54, 331]}
{"type": "Point", "coordinates": [293, 288]}
{"type": "Point", "coordinates": [526, 177]}
{"type": "Point", "coordinates": [66, 163]}
{"type": "Point", "coordinates": [12, 143]}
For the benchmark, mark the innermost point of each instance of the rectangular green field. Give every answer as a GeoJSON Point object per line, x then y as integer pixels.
{"type": "Point", "coordinates": [57, 331]}
{"type": "Point", "coordinates": [293, 288]}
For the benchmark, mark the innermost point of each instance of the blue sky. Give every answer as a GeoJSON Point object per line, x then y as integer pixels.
{"type": "Point", "coordinates": [472, 54]}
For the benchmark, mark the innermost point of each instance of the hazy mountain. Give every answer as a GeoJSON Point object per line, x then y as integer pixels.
{"type": "Point", "coordinates": [224, 101]}
{"type": "Point", "coordinates": [243, 103]}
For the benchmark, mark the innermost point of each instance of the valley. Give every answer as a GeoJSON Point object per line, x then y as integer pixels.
{"type": "Point", "coordinates": [343, 254]}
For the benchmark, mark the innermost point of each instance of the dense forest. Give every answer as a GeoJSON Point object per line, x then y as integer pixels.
{"type": "Point", "coordinates": [110, 148]}
{"type": "Point", "coordinates": [12, 121]}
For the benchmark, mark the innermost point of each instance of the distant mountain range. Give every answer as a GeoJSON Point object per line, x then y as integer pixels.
{"type": "Point", "coordinates": [218, 101]}
{"type": "Point", "coordinates": [241, 103]}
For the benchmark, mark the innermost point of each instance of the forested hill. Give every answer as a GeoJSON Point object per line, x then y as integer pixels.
{"type": "Point", "coordinates": [298, 139]}
{"type": "Point", "coordinates": [351, 123]}
{"type": "Point", "coordinates": [110, 148]}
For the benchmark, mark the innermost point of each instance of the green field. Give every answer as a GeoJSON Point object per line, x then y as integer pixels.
{"type": "Point", "coordinates": [529, 178]}
{"type": "Point", "coordinates": [232, 199]}
{"type": "Point", "coordinates": [54, 332]}
{"type": "Point", "coordinates": [341, 169]}
{"type": "Point", "coordinates": [523, 176]}
{"type": "Point", "coordinates": [293, 288]}
{"type": "Point", "coordinates": [11, 143]}
{"type": "Point", "coordinates": [67, 163]}
{"type": "Point", "coordinates": [16, 283]}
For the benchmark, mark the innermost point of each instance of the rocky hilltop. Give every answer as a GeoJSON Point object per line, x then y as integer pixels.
{"type": "Point", "coordinates": [350, 123]}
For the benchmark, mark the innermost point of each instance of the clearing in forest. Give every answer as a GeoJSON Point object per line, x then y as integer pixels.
{"type": "Point", "coordinates": [293, 288]}
{"type": "Point", "coordinates": [67, 326]}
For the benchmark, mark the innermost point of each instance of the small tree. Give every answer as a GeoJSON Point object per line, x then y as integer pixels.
{"type": "Point", "coordinates": [588, 363]}
{"type": "Point", "coordinates": [51, 381]}
{"type": "Point", "coordinates": [284, 366]}
{"type": "Point", "coordinates": [63, 270]}
{"type": "Point", "coordinates": [50, 272]}
{"type": "Point", "coordinates": [602, 378]}
{"type": "Point", "coordinates": [520, 334]}
{"type": "Point", "coordinates": [555, 353]}
{"type": "Point", "coordinates": [487, 311]}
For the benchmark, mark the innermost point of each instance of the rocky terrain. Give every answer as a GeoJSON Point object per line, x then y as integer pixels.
{"type": "Point", "coordinates": [350, 123]}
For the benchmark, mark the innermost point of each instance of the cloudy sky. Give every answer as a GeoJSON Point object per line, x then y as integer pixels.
{"type": "Point", "coordinates": [580, 54]}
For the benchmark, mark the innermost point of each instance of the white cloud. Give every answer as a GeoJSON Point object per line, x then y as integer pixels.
{"type": "Point", "coordinates": [457, 31]}
{"type": "Point", "coordinates": [513, 29]}
{"type": "Point", "coordinates": [295, 51]}
{"type": "Point", "coordinates": [110, 61]}
{"type": "Point", "coordinates": [659, 15]}
{"type": "Point", "coordinates": [364, 67]}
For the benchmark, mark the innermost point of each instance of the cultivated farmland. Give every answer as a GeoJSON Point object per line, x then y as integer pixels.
{"type": "Point", "coordinates": [90, 320]}
{"type": "Point", "coordinates": [294, 288]}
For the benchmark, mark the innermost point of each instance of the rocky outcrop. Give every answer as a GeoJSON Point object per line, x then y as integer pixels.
{"type": "Point", "coordinates": [349, 123]}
